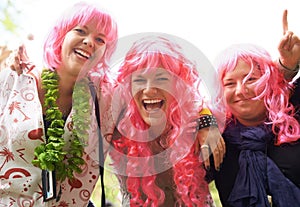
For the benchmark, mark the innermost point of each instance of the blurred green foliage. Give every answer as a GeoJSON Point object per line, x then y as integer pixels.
{"type": "Point", "coordinates": [7, 18]}
{"type": "Point", "coordinates": [10, 26]}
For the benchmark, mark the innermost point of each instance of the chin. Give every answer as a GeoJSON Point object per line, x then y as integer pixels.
{"type": "Point", "coordinates": [156, 123]}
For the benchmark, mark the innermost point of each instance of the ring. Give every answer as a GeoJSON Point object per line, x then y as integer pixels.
{"type": "Point", "coordinates": [204, 146]}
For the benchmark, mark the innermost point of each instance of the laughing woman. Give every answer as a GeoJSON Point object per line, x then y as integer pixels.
{"type": "Point", "coordinates": [48, 130]}
{"type": "Point", "coordinates": [153, 148]}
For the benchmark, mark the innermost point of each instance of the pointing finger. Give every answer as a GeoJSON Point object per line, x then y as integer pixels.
{"type": "Point", "coordinates": [285, 22]}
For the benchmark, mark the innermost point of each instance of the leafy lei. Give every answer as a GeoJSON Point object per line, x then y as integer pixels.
{"type": "Point", "coordinates": [55, 154]}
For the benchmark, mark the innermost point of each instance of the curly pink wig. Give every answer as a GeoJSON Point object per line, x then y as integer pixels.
{"type": "Point", "coordinates": [80, 14]}
{"type": "Point", "coordinates": [275, 93]}
{"type": "Point", "coordinates": [151, 53]}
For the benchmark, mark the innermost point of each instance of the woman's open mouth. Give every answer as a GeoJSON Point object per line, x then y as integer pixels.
{"type": "Point", "coordinates": [153, 104]}
{"type": "Point", "coordinates": [82, 53]}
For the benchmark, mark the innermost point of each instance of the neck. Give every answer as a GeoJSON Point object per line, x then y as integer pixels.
{"type": "Point", "coordinates": [251, 122]}
{"type": "Point", "coordinates": [66, 83]}
{"type": "Point", "coordinates": [157, 131]}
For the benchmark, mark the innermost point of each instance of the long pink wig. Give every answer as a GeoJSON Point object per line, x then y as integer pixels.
{"type": "Point", "coordinates": [275, 89]}
{"type": "Point", "coordinates": [151, 53]}
{"type": "Point", "coordinates": [80, 14]}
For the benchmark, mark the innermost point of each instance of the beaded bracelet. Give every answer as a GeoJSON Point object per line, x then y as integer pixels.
{"type": "Point", "coordinates": [206, 121]}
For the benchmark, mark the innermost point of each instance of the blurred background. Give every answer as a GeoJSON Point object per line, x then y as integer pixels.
{"type": "Point", "coordinates": [209, 25]}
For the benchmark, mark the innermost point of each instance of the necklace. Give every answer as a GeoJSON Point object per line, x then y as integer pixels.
{"type": "Point", "coordinates": [52, 155]}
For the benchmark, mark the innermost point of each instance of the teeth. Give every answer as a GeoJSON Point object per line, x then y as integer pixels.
{"type": "Point", "coordinates": [153, 101]}
{"type": "Point", "coordinates": [83, 53]}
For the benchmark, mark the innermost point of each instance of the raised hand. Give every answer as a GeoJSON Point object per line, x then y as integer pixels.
{"type": "Point", "coordinates": [18, 60]}
{"type": "Point", "coordinates": [289, 46]}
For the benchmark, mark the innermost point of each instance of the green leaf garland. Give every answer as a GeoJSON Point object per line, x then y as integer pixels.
{"type": "Point", "coordinates": [52, 155]}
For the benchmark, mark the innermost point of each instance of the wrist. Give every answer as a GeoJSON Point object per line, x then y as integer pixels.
{"type": "Point", "coordinates": [288, 68]}
{"type": "Point", "coordinates": [206, 121]}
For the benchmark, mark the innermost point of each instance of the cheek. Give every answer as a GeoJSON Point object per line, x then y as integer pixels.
{"type": "Point", "coordinates": [64, 48]}
{"type": "Point", "coordinates": [136, 101]}
{"type": "Point", "coordinates": [136, 89]}
{"type": "Point", "coordinates": [261, 106]}
{"type": "Point", "coordinates": [136, 98]}
{"type": "Point", "coordinates": [64, 55]}
{"type": "Point", "coordinates": [259, 90]}
{"type": "Point", "coordinates": [67, 41]}
{"type": "Point", "coordinates": [100, 52]}
{"type": "Point", "coordinates": [169, 98]}
{"type": "Point", "coordinates": [167, 87]}
{"type": "Point", "coordinates": [227, 95]}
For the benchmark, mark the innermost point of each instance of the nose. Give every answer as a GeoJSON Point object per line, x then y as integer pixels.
{"type": "Point", "coordinates": [150, 88]}
{"type": "Point", "coordinates": [88, 40]}
{"type": "Point", "coordinates": [239, 88]}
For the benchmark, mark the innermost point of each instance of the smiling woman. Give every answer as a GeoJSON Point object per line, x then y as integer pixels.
{"type": "Point", "coordinates": [240, 93]}
{"type": "Point", "coordinates": [255, 97]}
{"type": "Point", "coordinates": [153, 148]}
{"type": "Point", "coordinates": [57, 132]}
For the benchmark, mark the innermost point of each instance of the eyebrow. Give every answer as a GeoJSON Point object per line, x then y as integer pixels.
{"type": "Point", "coordinates": [163, 73]}
{"type": "Point", "coordinates": [156, 75]}
{"type": "Point", "coordinates": [160, 74]}
{"type": "Point", "coordinates": [227, 79]}
{"type": "Point", "coordinates": [86, 27]}
{"type": "Point", "coordinates": [138, 76]}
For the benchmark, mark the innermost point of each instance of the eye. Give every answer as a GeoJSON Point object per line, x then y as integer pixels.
{"type": "Point", "coordinates": [251, 79]}
{"type": "Point", "coordinates": [80, 31]}
{"type": "Point", "coordinates": [228, 84]}
{"type": "Point", "coordinates": [162, 79]}
{"type": "Point", "coordinates": [139, 80]}
{"type": "Point", "coordinates": [100, 40]}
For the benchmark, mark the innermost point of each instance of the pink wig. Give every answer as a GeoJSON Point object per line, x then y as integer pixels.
{"type": "Point", "coordinates": [275, 93]}
{"type": "Point", "coordinates": [151, 53]}
{"type": "Point", "coordinates": [80, 14]}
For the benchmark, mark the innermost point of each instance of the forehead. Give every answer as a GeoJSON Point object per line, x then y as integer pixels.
{"type": "Point", "coordinates": [151, 72]}
{"type": "Point", "coordinates": [92, 24]}
{"type": "Point", "coordinates": [241, 69]}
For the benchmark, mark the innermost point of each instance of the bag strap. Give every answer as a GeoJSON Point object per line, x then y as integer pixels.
{"type": "Point", "coordinates": [101, 153]}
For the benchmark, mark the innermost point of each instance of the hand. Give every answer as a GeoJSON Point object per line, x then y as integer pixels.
{"type": "Point", "coordinates": [18, 60]}
{"type": "Point", "coordinates": [210, 140]}
{"type": "Point", "coordinates": [289, 46]}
